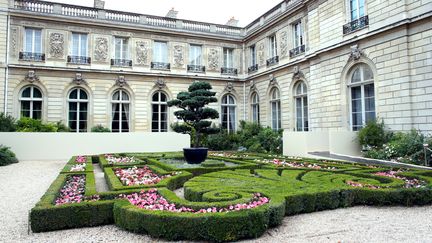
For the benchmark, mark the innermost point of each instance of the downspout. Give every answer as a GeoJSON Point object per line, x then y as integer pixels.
{"type": "Point", "coordinates": [7, 63]}
{"type": "Point", "coordinates": [244, 84]}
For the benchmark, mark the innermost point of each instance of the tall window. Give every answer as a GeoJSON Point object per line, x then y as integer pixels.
{"type": "Point", "coordinates": [79, 45]}
{"type": "Point", "coordinates": [33, 40]}
{"type": "Point", "coordinates": [31, 102]}
{"type": "Point", "coordinates": [229, 113]}
{"type": "Point", "coordinates": [357, 9]}
{"type": "Point", "coordinates": [252, 51]}
{"type": "Point", "coordinates": [120, 111]}
{"type": "Point", "coordinates": [362, 93]}
{"type": "Point", "coordinates": [275, 106]}
{"type": "Point", "coordinates": [195, 55]}
{"type": "Point", "coordinates": [255, 108]}
{"type": "Point", "coordinates": [298, 34]}
{"type": "Point", "coordinates": [159, 112]}
{"type": "Point", "coordinates": [121, 48]}
{"type": "Point", "coordinates": [301, 107]}
{"type": "Point", "coordinates": [272, 46]}
{"type": "Point", "coordinates": [228, 58]}
{"type": "Point", "coordinates": [160, 52]}
{"type": "Point", "coordinates": [78, 110]}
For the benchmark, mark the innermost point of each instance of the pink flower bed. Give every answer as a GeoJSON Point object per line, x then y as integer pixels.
{"type": "Point", "coordinates": [358, 184]}
{"type": "Point", "coordinates": [138, 176]}
{"type": "Point", "coordinates": [409, 183]}
{"type": "Point", "coordinates": [81, 159]}
{"type": "Point", "coordinates": [151, 200]}
{"type": "Point", "coordinates": [293, 164]}
{"type": "Point", "coordinates": [73, 191]}
{"type": "Point", "coordinates": [111, 159]}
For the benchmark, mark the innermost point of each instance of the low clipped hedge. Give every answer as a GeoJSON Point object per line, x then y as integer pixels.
{"type": "Point", "coordinates": [171, 183]}
{"type": "Point", "coordinates": [88, 169]}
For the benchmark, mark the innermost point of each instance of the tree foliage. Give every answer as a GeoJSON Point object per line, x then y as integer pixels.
{"type": "Point", "coordinates": [193, 111]}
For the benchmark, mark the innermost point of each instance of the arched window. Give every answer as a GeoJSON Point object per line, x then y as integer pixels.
{"type": "Point", "coordinates": [255, 108]}
{"type": "Point", "coordinates": [301, 107]}
{"type": "Point", "coordinates": [120, 111]}
{"type": "Point", "coordinates": [78, 110]}
{"type": "Point", "coordinates": [159, 112]}
{"type": "Point", "coordinates": [228, 108]}
{"type": "Point", "coordinates": [362, 96]}
{"type": "Point", "coordinates": [31, 102]}
{"type": "Point", "coordinates": [275, 106]}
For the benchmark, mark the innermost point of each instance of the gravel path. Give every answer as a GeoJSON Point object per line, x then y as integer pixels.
{"type": "Point", "coordinates": [21, 186]}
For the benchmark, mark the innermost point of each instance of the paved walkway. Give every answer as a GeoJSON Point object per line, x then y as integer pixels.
{"type": "Point", "coordinates": [22, 185]}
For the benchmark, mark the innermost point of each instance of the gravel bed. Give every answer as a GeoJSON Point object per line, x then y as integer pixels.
{"type": "Point", "coordinates": [22, 185]}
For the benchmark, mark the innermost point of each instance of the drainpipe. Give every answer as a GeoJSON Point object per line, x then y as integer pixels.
{"type": "Point", "coordinates": [7, 63]}
{"type": "Point", "coordinates": [244, 84]}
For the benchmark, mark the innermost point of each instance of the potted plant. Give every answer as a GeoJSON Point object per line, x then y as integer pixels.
{"type": "Point", "coordinates": [195, 114]}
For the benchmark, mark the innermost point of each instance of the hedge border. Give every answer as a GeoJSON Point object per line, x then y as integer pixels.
{"type": "Point", "coordinates": [89, 166]}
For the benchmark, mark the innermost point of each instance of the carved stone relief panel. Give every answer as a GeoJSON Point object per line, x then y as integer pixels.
{"type": "Point", "coordinates": [178, 56]}
{"type": "Point", "coordinates": [261, 54]}
{"type": "Point", "coordinates": [56, 45]}
{"type": "Point", "coordinates": [101, 49]}
{"type": "Point", "coordinates": [142, 52]}
{"type": "Point", "coordinates": [284, 43]}
{"type": "Point", "coordinates": [213, 59]}
{"type": "Point", "coordinates": [14, 38]}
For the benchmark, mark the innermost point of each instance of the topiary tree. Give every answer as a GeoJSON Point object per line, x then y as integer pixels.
{"type": "Point", "coordinates": [194, 112]}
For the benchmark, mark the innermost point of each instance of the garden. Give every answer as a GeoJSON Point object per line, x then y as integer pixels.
{"type": "Point", "coordinates": [231, 196]}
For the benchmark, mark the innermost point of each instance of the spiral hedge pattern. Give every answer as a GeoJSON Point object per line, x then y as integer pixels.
{"type": "Point", "coordinates": [221, 203]}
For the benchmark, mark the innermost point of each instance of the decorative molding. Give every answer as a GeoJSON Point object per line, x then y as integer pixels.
{"type": "Point", "coordinates": [178, 56]}
{"type": "Point", "coordinates": [252, 85]}
{"type": "Point", "coordinates": [78, 79]}
{"type": "Point", "coordinates": [261, 54]}
{"type": "Point", "coordinates": [121, 81]}
{"type": "Point", "coordinates": [31, 77]}
{"type": "Point", "coordinates": [229, 87]}
{"type": "Point", "coordinates": [56, 45]}
{"type": "Point", "coordinates": [14, 41]}
{"type": "Point", "coordinates": [272, 80]}
{"type": "Point", "coordinates": [160, 83]}
{"type": "Point", "coordinates": [284, 44]}
{"type": "Point", "coordinates": [101, 49]}
{"type": "Point", "coordinates": [213, 59]}
{"type": "Point", "coordinates": [142, 52]}
{"type": "Point", "coordinates": [298, 74]}
{"type": "Point", "coordinates": [356, 53]}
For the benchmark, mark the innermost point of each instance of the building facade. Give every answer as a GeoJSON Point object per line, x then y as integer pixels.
{"type": "Point", "coordinates": [305, 65]}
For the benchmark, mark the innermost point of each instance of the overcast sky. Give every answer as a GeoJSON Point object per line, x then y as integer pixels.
{"type": "Point", "coordinates": [218, 12]}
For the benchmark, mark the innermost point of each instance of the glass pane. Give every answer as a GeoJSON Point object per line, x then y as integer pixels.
{"type": "Point", "coordinates": [370, 104]}
{"type": "Point", "coordinates": [75, 44]}
{"type": "Point", "coordinates": [37, 93]}
{"type": "Point", "coordinates": [26, 92]}
{"type": "Point", "coordinates": [83, 95]}
{"type": "Point", "coordinates": [163, 108]}
{"type": "Point", "coordinates": [163, 97]}
{"type": "Point", "coordinates": [73, 106]}
{"type": "Point", "coordinates": [367, 73]}
{"type": "Point", "coordinates": [125, 96]}
{"type": "Point", "coordinates": [37, 114]}
{"type": "Point", "coordinates": [356, 106]}
{"type": "Point", "coordinates": [356, 76]}
{"type": "Point", "coordinates": [357, 119]}
{"type": "Point", "coordinates": [369, 90]}
{"type": "Point", "coordinates": [370, 116]}
{"type": "Point", "coordinates": [155, 97]}
{"type": "Point", "coordinates": [356, 92]}
{"type": "Point", "coordinates": [225, 100]}
{"type": "Point", "coordinates": [73, 125]}
{"type": "Point", "coordinates": [231, 100]}
{"type": "Point", "coordinates": [74, 94]}
{"type": "Point", "coordinates": [83, 106]}
{"type": "Point", "coordinates": [83, 126]}
{"type": "Point", "coordinates": [353, 8]}
{"type": "Point", "coordinates": [38, 41]}
{"type": "Point", "coordinates": [28, 40]}
{"type": "Point", "coordinates": [25, 108]}
{"type": "Point", "coordinates": [37, 105]}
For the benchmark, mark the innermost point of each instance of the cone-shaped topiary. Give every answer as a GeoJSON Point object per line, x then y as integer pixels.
{"type": "Point", "coordinates": [194, 112]}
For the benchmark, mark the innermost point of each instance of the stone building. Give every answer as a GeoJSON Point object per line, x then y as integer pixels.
{"type": "Point", "coordinates": [305, 65]}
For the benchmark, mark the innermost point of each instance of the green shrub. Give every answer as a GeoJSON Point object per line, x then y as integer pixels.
{"type": "Point", "coordinates": [374, 134]}
{"type": "Point", "coordinates": [26, 124]}
{"type": "Point", "coordinates": [100, 128]}
{"type": "Point", "coordinates": [7, 123]}
{"type": "Point", "coordinates": [7, 157]}
{"type": "Point", "coordinates": [62, 127]}
{"type": "Point", "coordinates": [223, 141]}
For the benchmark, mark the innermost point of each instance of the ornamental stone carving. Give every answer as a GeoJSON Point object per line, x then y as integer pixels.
{"type": "Point", "coordinates": [213, 59]}
{"type": "Point", "coordinates": [142, 52]}
{"type": "Point", "coordinates": [78, 79]}
{"type": "Point", "coordinates": [56, 45]}
{"type": "Point", "coordinates": [297, 74]}
{"type": "Point", "coordinates": [160, 83]}
{"type": "Point", "coordinates": [31, 77]}
{"type": "Point", "coordinates": [273, 80]}
{"type": "Point", "coordinates": [252, 85]}
{"type": "Point", "coordinates": [121, 81]}
{"type": "Point", "coordinates": [178, 56]}
{"type": "Point", "coordinates": [284, 44]}
{"type": "Point", "coordinates": [356, 53]}
{"type": "Point", "coordinates": [229, 87]}
{"type": "Point", "coordinates": [261, 57]}
{"type": "Point", "coordinates": [101, 49]}
{"type": "Point", "coordinates": [14, 42]}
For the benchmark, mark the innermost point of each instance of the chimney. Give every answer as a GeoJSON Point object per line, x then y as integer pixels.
{"type": "Point", "coordinates": [172, 14]}
{"type": "Point", "coordinates": [232, 22]}
{"type": "Point", "coordinates": [99, 4]}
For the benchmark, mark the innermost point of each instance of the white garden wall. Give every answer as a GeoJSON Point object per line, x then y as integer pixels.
{"type": "Point", "coordinates": [335, 142]}
{"type": "Point", "coordinates": [61, 146]}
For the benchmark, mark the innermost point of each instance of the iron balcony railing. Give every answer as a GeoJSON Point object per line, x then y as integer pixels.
{"type": "Point", "coordinates": [229, 71]}
{"type": "Point", "coordinates": [196, 68]}
{"type": "Point", "coordinates": [32, 56]}
{"type": "Point", "coordinates": [78, 60]}
{"type": "Point", "coordinates": [121, 62]}
{"type": "Point", "coordinates": [272, 61]}
{"type": "Point", "coordinates": [355, 25]}
{"type": "Point", "coordinates": [253, 68]}
{"type": "Point", "coordinates": [297, 51]}
{"type": "Point", "coordinates": [160, 65]}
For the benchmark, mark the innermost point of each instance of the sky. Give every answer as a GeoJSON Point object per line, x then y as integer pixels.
{"type": "Point", "coordinates": [218, 12]}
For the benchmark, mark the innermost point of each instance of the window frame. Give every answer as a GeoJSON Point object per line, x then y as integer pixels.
{"type": "Point", "coordinates": [80, 44]}
{"type": "Point", "coordinates": [124, 48]}
{"type": "Point", "coordinates": [298, 34]}
{"type": "Point", "coordinates": [272, 50]}
{"type": "Point", "coordinates": [303, 97]}
{"type": "Point", "coordinates": [252, 53]}
{"type": "Point", "coordinates": [195, 56]}
{"type": "Point", "coordinates": [255, 108]}
{"type": "Point", "coordinates": [277, 102]}
{"type": "Point", "coordinates": [78, 101]}
{"type": "Point", "coordinates": [160, 55]}
{"type": "Point", "coordinates": [121, 102]}
{"type": "Point", "coordinates": [228, 56]}
{"type": "Point", "coordinates": [159, 103]}
{"type": "Point", "coordinates": [33, 44]}
{"type": "Point", "coordinates": [230, 107]}
{"type": "Point", "coordinates": [31, 100]}
{"type": "Point", "coordinates": [357, 9]}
